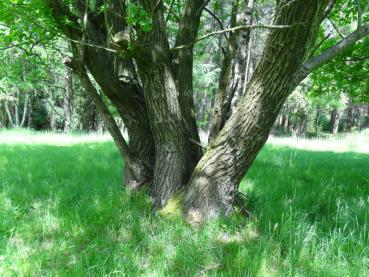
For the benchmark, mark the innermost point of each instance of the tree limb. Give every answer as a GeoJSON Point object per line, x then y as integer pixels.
{"type": "Point", "coordinates": [332, 52]}
{"type": "Point", "coordinates": [335, 28]}
{"type": "Point", "coordinates": [234, 29]}
{"type": "Point", "coordinates": [217, 19]}
{"type": "Point", "coordinates": [359, 14]}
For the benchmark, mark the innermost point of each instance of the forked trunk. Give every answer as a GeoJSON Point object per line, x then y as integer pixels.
{"type": "Point", "coordinates": [174, 159]}
{"type": "Point", "coordinates": [215, 180]}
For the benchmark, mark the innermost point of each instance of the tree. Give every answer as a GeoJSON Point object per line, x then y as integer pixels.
{"type": "Point", "coordinates": [145, 69]}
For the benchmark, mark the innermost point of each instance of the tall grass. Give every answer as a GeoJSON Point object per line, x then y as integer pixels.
{"type": "Point", "coordinates": [63, 212]}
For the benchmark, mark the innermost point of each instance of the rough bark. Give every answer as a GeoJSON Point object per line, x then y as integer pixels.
{"type": "Point", "coordinates": [173, 160]}
{"type": "Point", "coordinates": [183, 70]}
{"type": "Point", "coordinates": [216, 178]}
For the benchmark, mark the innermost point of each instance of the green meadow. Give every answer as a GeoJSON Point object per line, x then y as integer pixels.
{"type": "Point", "coordinates": [64, 212]}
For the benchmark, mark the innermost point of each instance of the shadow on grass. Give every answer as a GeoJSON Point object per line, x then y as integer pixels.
{"type": "Point", "coordinates": [63, 212]}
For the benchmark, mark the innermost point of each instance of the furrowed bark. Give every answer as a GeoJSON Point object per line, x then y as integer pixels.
{"type": "Point", "coordinates": [216, 178]}
{"type": "Point", "coordinates": [173, 160]}
{"type": "Point", "coordinates": [183, 70]}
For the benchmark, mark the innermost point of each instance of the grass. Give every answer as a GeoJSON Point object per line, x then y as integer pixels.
{"type": "Point", "coordinates": [63, 212]}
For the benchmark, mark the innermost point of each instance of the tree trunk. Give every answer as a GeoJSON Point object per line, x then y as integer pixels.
{"type": "Point", "coordinates": [88, 116]}
{"type": "Point", "coordinates": [2, 117]}
{"type": "Point", "coordinates": [25, 111]}
{"type": "Point", "coordinates": [350, 118]}
{"type": "Point", "coordinates": [316, 121]}
{"type": "Point", "coordinates": [360, 113]}
{"type": "Point", "coordinates": [16, 109]}
{"type": "Point", "coordinates": [9, 114]}
{"type": "Point", "coordinates": [335, 121]}
{"type": "Point", "coordinates": [231, 83]}
{"type": "Point", "coordinates": [242, 66]}
{"type": "Point", "coordinates": [173, 157]}
{"type": "Point", "coordinates": [30, 109]}
{"type": "Point", "coordinates": [215, 180]}
{"type": "Point", "coordinates": [115, 75]}
{"type": "Point", "coordinates": [67, 100]}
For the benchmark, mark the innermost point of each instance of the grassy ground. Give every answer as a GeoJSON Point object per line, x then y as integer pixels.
{"type": "Point", "coordinates": [63, 212]}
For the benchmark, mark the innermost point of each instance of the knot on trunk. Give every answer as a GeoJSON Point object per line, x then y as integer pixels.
{"type": "Point", "coordinates": [72, 64]}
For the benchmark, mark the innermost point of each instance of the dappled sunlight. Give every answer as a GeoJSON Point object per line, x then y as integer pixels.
{"type": "Point", "coordinates": [63, 209]}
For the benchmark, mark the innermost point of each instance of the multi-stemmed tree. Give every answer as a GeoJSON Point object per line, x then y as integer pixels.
{"type": "Point", "coordinates": [147, 73]}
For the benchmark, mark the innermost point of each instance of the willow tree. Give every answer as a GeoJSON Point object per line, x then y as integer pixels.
{"type": "Point", "coordinates": [147, 73]}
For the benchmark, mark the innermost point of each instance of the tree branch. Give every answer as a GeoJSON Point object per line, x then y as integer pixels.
{"type": "Point", "coordinates": [217, 19]}
{"type": "Point", "coordinates": [332, 52]}
{"type": "Point", "coordinates": [170, 11]}
{"type": "Point", "coordinates": [234, 29]}
{"type": "Point", "coordinates": [359, 14]}
{"type": "Point", "coordinates": [335, 28]}
{"type": "Point", "coordinates": [329, 8]}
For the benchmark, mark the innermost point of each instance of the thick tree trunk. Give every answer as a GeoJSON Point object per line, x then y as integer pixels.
{"type": "Point", "coordinates": [115, 75]}
{"type": "Point", "coordinates": [183, 72]}
{"type": "Point", "coordinates": [136, 171]}
{"type": "Point", "coordinates": [173, 158]}
{"type": "Point", "coordinates": [215, 180]}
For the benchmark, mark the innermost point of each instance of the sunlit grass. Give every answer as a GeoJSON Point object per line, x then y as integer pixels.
{"type": "Point", "coordinates": [63, 212]}
{"type": "Point", "coordinates": [357, 142]}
